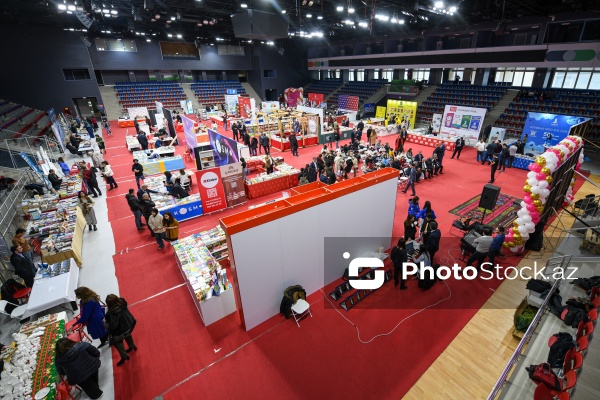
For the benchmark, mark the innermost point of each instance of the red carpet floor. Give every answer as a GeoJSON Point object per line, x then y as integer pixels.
{"type": "Point", "coordinates": [181, 358]}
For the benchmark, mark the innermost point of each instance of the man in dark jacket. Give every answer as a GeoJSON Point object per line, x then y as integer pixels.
{"type": "Point", "coordinates": [138, 171]}
{"type": "Point", "coordinates": [147, 205]}
{"type": "Point", "coordinates": [433, 240]}
{"type": "Point", "coordinates": [412, 178]}
{"type": "Point", "coordinates": [134, 206]}
{"type": "Point", "coordinates": [489, 152]}
{"type": "Point", "coordinates": [143, 140]}
{"type": "Point", "coordinates": [89, 176]}
{"type": "Point", "coordinates": [55, 181]}
{"type": "Point", "coordinates": [177, 191]}
{"type": "Point", "coordinates": [458, 147]}
{"type": "Point", "coordinates": [294, 145]}
{"type": "Point", "coordinates": [79, 362]}
{"type": "Point", "coordinates": [23, 267]}
{"type": "Point", "coordinates": [144, 190]}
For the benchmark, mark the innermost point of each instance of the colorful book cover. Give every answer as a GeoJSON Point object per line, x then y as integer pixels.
{"type": "Point", "coordinates": [457, 121]}
{"type": "Point", "coordinates": [475, 123]}
{"type": "Point", "coordinates": [448, 121]}
{"type": "Point", "coordinates": [465, 122]}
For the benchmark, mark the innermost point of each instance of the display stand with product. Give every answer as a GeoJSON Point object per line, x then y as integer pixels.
{"type": "Point", "coordinates": [283, 177]}
{"type": "Point", "coordinates": [182, 209]}
{"type": "Point", "coordinates": [198, 259]}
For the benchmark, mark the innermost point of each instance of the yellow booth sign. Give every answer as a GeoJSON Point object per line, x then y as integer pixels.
{"type": "Point", "coordinates": [402, 109]}
{"type": "Point", "coordinates": [380, 113]}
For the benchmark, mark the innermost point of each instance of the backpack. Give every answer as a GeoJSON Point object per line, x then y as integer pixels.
{"type": "Point", "coordinates": [543, 374]}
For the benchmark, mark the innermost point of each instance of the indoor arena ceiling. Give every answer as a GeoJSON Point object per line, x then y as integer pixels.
{"type": "Point", "coordinates": [208, 20]}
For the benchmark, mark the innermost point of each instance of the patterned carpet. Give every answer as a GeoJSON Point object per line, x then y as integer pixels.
{"type": "Point", "coordinates": [504, 213]}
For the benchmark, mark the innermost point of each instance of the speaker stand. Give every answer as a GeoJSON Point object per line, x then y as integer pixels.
{"type": "Point", "coordinates": [485, 210]}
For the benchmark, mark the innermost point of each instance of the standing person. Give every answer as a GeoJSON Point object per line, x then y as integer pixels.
{"type": "Point", "coordinates": [426, 210]}
{"type": "Point", "coordinates": [412, 178]}
{"type": "Point", "coordinates": [87, 208]}
{"type": "Point", "coordinates": [235, 130]}
{"type": "Point", "coordinates": [496, 245]}
{"type": "Point", "coordinates": [410, 228]}
{"type": "Point", "coordinates": [512, 152]}
{"type": "Point", "coordinates": [458, 147]}
{"type": "Point", "coordinates": [520, 147]}
{"type": "Point", "coordinates": [433, 240]}
{"type": "Point", "coordinates": [171, 225]}
{"type": "Point", "coordinates": [480, 146]}
{"type": "Point", "coordinates": [55, 181]}
{"type": "Point", "coordinates": [92, 314]}
{"type": "Point", "coordinates": [19, 240]}
{"type": "Point", "coordinates": [147, 206]}
{"type": "Point", "coordinates": [266, 144]}
{"type": "Point", "coordinates": [155, 222]}
{"type": "Point", "coordinates": [136, 125]}
{"type": "Point", "coordinates": [120, 324]}
{"type": "Point", "coordinates": [373, 137]}
{"type": "Point", "coordinates": [439, 151]}
{"type": "Point", "coordinates": [89, 128]}
{"type": "Point", "coordinates": [504, 156]}
{"type": "Point", "coordinates": [294, 144]}
{"type": "Point", "coordinates": [336, 137]}
{"type": "Point", "coordinates": [426, 226]}
{"type": "Point", "coordinates": [243, 161]}
{"type": "Point", "coordinates": [494, 167]}
{"type": "Point", "coordinates": [138, 171]}
{"type": "Point", "coordinates": [269, 164]}
{"type": "Point", "coordinates": [489, 152]}
{"type": "Point", "coordinates": [94, 123]}
{"type": "Point", "coordinates": [136, 209]}
{"type": "Point", "coordinates": [24, 268]}
{"type": "Point", "coordinates": [253, 146]}
{"type": "Point", "coordinates": [79, 362]}
{"type": "Point", "coordinates": [225, 120]}
{"type": "Point", "coordinates": [108, 173]}
{"type": "Point", "coordinates": [312, 170]}
{"type": "Point", "coordinates": [482, 247]}
{"type": "Point", "coordinates": [399, 256]}
{"type": "Point", "coordinates": [96, 159]}
{"type": "Point", "coordinates": [89, 176]}
{"type": "Point", "coordinates": [64, 167]}
{"type": "Point", "coordinates": [144, 190]}
{"type": "Point", "coordinates": [143, 140]}
{"type": "Point", "coordinates": [107, 128]}
{"type": "Point", "coordinates": [413, 206]}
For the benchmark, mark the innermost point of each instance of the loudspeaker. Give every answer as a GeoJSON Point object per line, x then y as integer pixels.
{"type": "Point", "coordinates": [489, 196]}
{"type": "Point", "coordinates": [536, 239]}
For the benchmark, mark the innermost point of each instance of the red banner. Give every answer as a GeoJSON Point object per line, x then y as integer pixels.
{"type": "Point", "coordinates": [245, 107]}
{"type": "Point", "coordinates": [316, 99]}
{"type": "Point", "coordinates": [210, 187]}
{"type": "Point", "coordinates": [294, 96]}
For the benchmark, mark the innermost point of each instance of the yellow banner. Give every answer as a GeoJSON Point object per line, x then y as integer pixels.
{"type": "Point", "coordinates": [402, 109]}
{"type": "Point", "coordinates": [380, 113]}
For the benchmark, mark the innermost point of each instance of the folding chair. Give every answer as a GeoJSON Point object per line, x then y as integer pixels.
{"type": "Point", "coordinates": [75, 331]}
{"type": "Point", "coordinates": [461, 226]}
{"type": "Point", "coordinates": [300, 309]}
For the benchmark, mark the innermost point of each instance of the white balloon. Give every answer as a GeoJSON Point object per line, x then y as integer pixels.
{"type": "Point", "coordinates": [530, 230]}
{"type": "Point", "coordinates": [543, 184]}
{"type": "Point", "coordinates": [526, 218]}
{"type": "Point", "coordinates": [523, 204]}
{"type": "Point", "coordinates": [544, 193]}
{"type": "Point", "coordinates": [535, 190]}
{"type": "Point", "coordinates": [515, 249]}
{"type": "Point", "coordinates": [529, 225]}
{"type": "Point", "coordinates": [531, 175]}
{"type": "Point", "coordinates": [522, 212]}
{"type": "Point", "coordinates": [543, 200]}
{"type": "Point", "coordinates": [520, 221]}
{"type": "Point", "coordinates": [522, 229]}
{"type": "Point", "coordinates": [525, 236]}
{"type": "Point", "coordinates": [532, 182]}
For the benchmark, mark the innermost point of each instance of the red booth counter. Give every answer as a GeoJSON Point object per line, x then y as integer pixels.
{"type": "Point", "coordinates": [308, 141]}
{"type": "Point", "coordinates": [126, 123]}
{"type": "Point", "coordinates": [429, 141]}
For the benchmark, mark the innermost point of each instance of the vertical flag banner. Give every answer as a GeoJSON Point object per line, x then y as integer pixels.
{"type": "Point", "coordinates": [462, 121]}
{"type": "Point", "coordinates": [348, 103]}
{"type": "Point", "coordinates": [546, 130]}
{"type": "Point", "coordinates": [225, 150]}
{"type": "Point", "coordinates": [188, 132]}
{"type": "Point", "coordinates": [245, 106]}
{"type": "Point", "coordinates": [210, 187]}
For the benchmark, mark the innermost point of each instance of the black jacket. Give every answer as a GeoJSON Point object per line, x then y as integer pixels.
{"type": "Point", "coordinates": [433, 241]}
{"type": "Point", "coordinates": [54, 180]}
{"type": "Point", "coordinates": [24, 268]}
{"type": "Point", "coordinates": [133, 202]}
{"type": "Point", "coordinates": [179, 192]}
{"type": "Point", "coordinates": [79, 363]}
{"type": "Point", "coordinates": [120, 322]}
{"type": "Point", "coordinates": [398, 257]}
{"type": "Point", "coordinates": [147, 206]}
{"type": "Point", "coordinates": [142, 139]}
{"type": "Point", "coordinates": [141, 192]}
{"type": "Point", "coordinates": [139, 167]}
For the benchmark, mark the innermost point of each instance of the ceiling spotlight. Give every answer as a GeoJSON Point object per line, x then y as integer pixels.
{"type": "Point", "coordinates": [169, 35]}
{"type": "Point", "coordinates": [199, 24]}
{"type": "Point", "coordinates": [211, 22]}
{"type": "Point", "coordinates": [168, 23]}
{"type": "Point", "coordinates": [106, 11]}
{"type": "Point", "coordinates": [71, 8]}
{"type": "Point", "coordinates": [308, 15]}
{"type": "Point", "coordinates": [351, 10]}
{"type": "Point", "coordinates": [244, 5]}
{"type": "Point", "coordinates": [62, 7]}
{"type": "Point", "coordinates": [114, 12]}
{"type": "Point", "coordinates": [318, 34]}
{"type": "Point", "coordinates": [401, 21]}
{"type": "Point", "coordinates": [108, 32]}
{"type": "Point", "coordinates": [178, 16]}
{"type": "Point", "coordinates": [394, 20]}
{"type": "Point", "coordinates": [154, 34]}
{"type": "Point", "coordinates": [340, 8]}
{"type": "Point", "coordinates": [69, 12]}
{"type": "Point", "coordinates": [363, 24]}
{"type": "Point", "coordinates": [205, 22]}
{"type": "Point", "coordinates": [320, 17]}
{"type": "Point", "coordinates": [349, 22]}
{"type": "Point", "coordinates": [173, 18]}
{"type": "Point", "coordinates": [179, 36]}
{"type": "Point", "coordinates": [310, 3]}
{"type": "Point", "coordinates": [71, 29]}
{"type": "Point", "coordinates": [439, 4]}
{"type": "Point", "coordinates": [284, 11]}
{"type": "Point", "coordinates": [452, 9]}
{"type": "Point", "coordinates": [148, 40]}
{"type": "Point", "coordinates": [157, 16]}
{"type": "Point", "coordinates": [98, 10]}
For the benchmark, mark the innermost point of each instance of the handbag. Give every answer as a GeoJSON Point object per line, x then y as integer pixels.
{"type": "Point", "coordinates": [543, 374]}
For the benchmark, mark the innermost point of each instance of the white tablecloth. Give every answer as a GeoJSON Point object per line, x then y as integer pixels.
{"type": "Point", "coordinates": [50, 292]}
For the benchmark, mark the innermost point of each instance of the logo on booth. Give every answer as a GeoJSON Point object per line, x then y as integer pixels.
{"type": "Point", "coordinates": [453, 108]}
{"type": "Point", "coordinates": [209, 180]}
{"type": "Point", "coordinates": [365, 262]}
{"type": "Point", "coordinates": [182, 210]}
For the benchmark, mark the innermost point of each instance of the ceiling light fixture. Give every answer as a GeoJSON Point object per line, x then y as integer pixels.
{"type": "Point", "coordinates": [169, 35]}
{"type": "Point", "coordinates": [114, 12]}
{"type": "Point", "coordinates": [284, 11]}
{"type": "Point", "coordinates": [439, 4]}
{"type": "Point", "coordinates": [308, 15]}
{"type": "Point", "coordinates": [363, 24]}
{"type": "Point", "coordinates": [148, 40]}
{"type": "Point", "coordinates": [351, 10]}
{"type": "Point", "coordinates": [71, 8]}
{"type": "Point", "coordinates": [179, 36]}
{"type": "Point", "coordinates": [452, 9]}
{"type": "Point", "coordinates": [157, 16]}
{"type": "Point", "coordinates": [106, 11]}
{"type": "Point", "coordinates": [62, 7]}
{"type": "Point", "coordinates": [244, 5]}
{"type": "Point", "coordinates": [320, 17]}
{"type": "Point", "coordinates": [69, 12]}
{"type": "Point", "coordinates": [173, 18]}
{"type": "Point", "coordinates": [340, 8]}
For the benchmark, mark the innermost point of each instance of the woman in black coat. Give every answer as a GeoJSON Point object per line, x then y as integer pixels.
{"type": "Point", "coordinates": [120, 324]}
{"type": "Point", "coordinates": [80, 363]}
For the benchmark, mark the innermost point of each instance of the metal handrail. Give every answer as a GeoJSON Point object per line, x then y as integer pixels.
{"type": "Point", "coordinates": [528, 334]}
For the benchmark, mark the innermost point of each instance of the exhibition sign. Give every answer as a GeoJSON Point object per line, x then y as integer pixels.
{"type": "Point", "coordinates": [546, 130]}
{"type": "Point", "coordinates": [188, 132]}
{"type": "Point", "coordinates": [436, 122]}
{"type": "Point", "coordinates": [406, 110]}
{"type": "Point", "coordinates": [380, 113]}
{"type": "Point", "coordinates": [245, 106]}
{"type": "Point", "coordinates": [224, 150]}
{"type": "Point", "coordinates": [57, 129]}
{"type": "Point", "coordinates": [462, 121]}
{"type": "Point", "coordinates": [187, 211]}
{"type": "Point", "coordinates": [231, 103]}
{"type": "Point", "coordinates": [269, 106]}
{"type": "Point", "coordinates": [233, 184]}
{"type": "Point", "coordinates": [316, 99]}
{"type": "Point", "coordinates": [369, 107]}
{"type": "Point", "coordinates": [348, 102]}
{"type": "Point", "coordinates": [294, 96]}
{"type": "Point", "coordinates": [496, 134]}
{"type": "Point", "coordinates": [210, 188]}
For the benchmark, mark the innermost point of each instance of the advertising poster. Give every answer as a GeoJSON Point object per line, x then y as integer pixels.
{"type": "Point", "coordinates": [316, 99]}
{"type": "Point", "coordinates": [233, 184]}
{"type": "Point", "coordinates": [436, 122]}
{"type": "Point", "coordinates": [231, 103]}
{"type": "Point", "coordinates": [188, 132]}
{"type": "Point", "coordinates": [224, 149]}
{"type": "Point", "coordinates": [210, 187]}
{"type": "Point", "coordinates": [294, 96]}
{"type": "Point", "coordinates": [369, 108]}
{"type": "Point", "coordinates": [245, 107]}
{"type": "Point", "coordinates": [406, 110]}
{"type": "Point", "coordinates": [348, 102]}
{"type": "Point", "coordinates": [159, 107]}
{"type": "Point", "coordinates": [313, 125]}
{"type": "Point", "coordinates": [496, 134]}
{"type": "Point", "coordinates": [270, 106]}
{"type": "Point", "coordinates": [187, 106]}
{"type": "Point", "coordinates": [57, 129]}
{"type": "Point", "coordinates": [542, 131]}
{"type": "Point", "coordinates": [462, 121]}
{"type": "Point", "coordinates": [380, 113]}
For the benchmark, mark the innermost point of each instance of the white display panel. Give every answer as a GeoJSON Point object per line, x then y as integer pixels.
{"type": "Point", "coordinates": [290, 250]}
{"type": "Point", "coordinates": [462, 121]}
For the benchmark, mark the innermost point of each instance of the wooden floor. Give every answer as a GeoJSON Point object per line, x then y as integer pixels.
{"type": "Point", "coordinates": [472, 363]}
